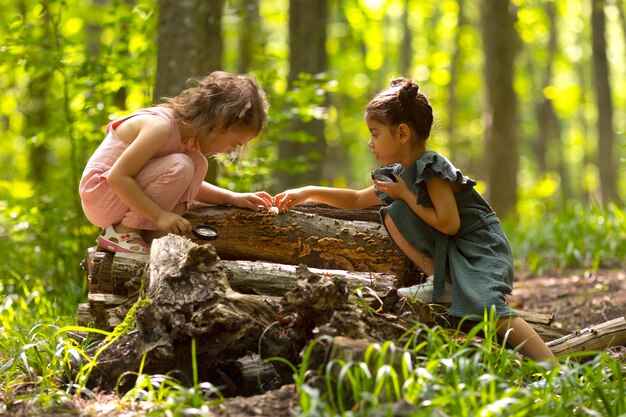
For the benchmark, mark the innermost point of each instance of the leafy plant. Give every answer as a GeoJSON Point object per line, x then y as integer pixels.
{"type": "Point", "coordinates": [574, 237]}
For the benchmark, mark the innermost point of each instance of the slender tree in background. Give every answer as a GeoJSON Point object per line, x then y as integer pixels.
{"type": "Point", "coordinates": [307, 54]}
{"type": "Point", "coordinates": [407, 41]}
{"type": "Point", "coordinates": [189, 46]}
{"type": "Point", "coordinates": [500, 45]}
{"type": "Point", "coordinates": [250, 34]}
{"type": "Point", "coordinates": [607, 158]}
{"type": "Point", "coordinates": [453, 99]}
{"type": "Point", "coordinates": [35, 108]}
{"type": "Point", "coordinates": [548, 139]}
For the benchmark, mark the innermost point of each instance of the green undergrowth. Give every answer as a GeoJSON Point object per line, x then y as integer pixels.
{"type": "Point", "coordinates": [437, 372]}
{"type": "Point", "coordinates": [430, 371]}
{"type": "Point", "coordinates": [575, 237]}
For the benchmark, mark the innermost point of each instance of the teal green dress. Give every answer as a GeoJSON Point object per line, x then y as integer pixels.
{"type": "Point", "coordinates": [478, 257]}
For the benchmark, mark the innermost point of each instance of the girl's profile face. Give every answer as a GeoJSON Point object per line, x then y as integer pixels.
{"type": "Point", "coordinates": [225, 142]}
{"type": "Point", "coordinates": [383, 143]}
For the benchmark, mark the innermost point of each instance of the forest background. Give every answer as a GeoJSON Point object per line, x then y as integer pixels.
{"type": "Point", "coordinates": [529, 98]}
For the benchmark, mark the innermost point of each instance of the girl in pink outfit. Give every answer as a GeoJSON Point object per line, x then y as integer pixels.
{"type": "Point", "coordinates": [151, 165]}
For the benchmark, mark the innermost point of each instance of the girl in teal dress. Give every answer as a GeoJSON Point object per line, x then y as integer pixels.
{"type": "Point", "coordinates": [434, 215]}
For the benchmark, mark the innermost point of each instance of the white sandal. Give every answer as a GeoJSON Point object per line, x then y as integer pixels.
{"type": "Point", "coordinates": [113, 241]}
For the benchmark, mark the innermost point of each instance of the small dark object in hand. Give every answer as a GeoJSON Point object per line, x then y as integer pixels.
{"type": "Point", "coordinates": [384, 174]}
{"type": "Point", "coordinates": [205, 232]}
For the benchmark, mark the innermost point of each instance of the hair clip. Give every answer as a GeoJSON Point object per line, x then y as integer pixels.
{"type": "Point", "coordinates": [245, 109]}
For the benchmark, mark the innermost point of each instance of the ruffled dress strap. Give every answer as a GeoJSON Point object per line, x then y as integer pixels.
{"type": "Point", "coordinates": [434, 165]}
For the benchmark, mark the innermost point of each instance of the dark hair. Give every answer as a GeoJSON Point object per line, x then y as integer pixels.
{"type": "Point", "coordinates": [219, 102]}
{"type": "Point", "coordinates": [402, 103]}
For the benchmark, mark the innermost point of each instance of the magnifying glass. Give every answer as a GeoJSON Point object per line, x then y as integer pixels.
{"type": "Point", "coordinates": [205, 232]}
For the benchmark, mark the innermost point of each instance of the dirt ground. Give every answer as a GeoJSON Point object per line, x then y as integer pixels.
{"type": "Point", "coordinates": [577, 300]}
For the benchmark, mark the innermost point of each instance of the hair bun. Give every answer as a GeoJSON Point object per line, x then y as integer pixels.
{"type": "Point", "coordinates": [408, 89]}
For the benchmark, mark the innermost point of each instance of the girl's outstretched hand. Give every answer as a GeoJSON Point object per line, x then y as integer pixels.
{"type": "Point", "coordinates": [287, 199]}
{"type": "Point", "coordinates": [253, 201]}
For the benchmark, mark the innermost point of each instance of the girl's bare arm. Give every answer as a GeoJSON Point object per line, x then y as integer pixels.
{"type": "Point", "coordinates": [336, 197]}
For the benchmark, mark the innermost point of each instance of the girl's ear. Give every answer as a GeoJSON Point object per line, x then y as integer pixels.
{"type": "Point", "coordinates": [404, 132]}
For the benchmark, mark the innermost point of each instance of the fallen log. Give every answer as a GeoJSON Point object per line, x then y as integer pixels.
{"type": "Point", "coordinates": [599, 337]}
{"type": "Point", "coordinates": [121, 273]}
{"type": "Point", "coordinates": [188, 298]}
{"type": "Point", "coordinates": [296, 237]}
{"type": "Point", "coordinates": [114, 281]}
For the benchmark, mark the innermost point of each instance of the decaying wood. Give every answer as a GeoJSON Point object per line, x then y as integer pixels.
{"type": "Point", "coordinates": [190, 299]}
{"type": "Point", "coordinates": [296, 237]}
{"type": "Point", "coordinates": [371, 214]}
{"type": "Point", "coordinates": [276, 279]}
{"type": "Point", "coordinates": [263, 278]}
{"type": "Point", "coordinates": [595, 338]}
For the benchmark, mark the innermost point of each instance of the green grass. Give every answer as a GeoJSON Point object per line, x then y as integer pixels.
{"type": "Point", "coordinates": [430, 372]}
{"type": "Point", "coordinates": [436, 374]}
{"type": "Point", "coordinates": [575, 237]}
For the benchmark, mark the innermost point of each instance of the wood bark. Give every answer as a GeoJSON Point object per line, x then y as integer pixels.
{"type": "Point", "coordinates": [607, 157]}
{"type": "Point", "coordinates": [296, 238]}
{"type": "Point", "coordinates": [188, 297]}
{"type": "Point", "coordinates": [595, 338]}
{"type": "Point", "coordinates": [500, 44]}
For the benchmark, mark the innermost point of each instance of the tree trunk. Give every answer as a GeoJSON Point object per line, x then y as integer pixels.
{"type": "Point", "coordinates": [453, 99]}
{"type": "Point", "coordinates": [500, 43]}
{"type": "Point", "coordinates": [189, 46]}
{"type": "Point", "coordinates": [250, 34]}
{"type": "Point", "coordinates": [607, 158]}
{"type": "Point", "coordinates": [189, 43]}
{"type": "Point", "coordinates": [407, 41]}
{"type": "Point", "coordinates": [307, 55]}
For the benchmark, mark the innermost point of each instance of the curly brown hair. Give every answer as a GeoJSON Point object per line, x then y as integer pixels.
{"type": "Point", "coordinates": [220, 102]}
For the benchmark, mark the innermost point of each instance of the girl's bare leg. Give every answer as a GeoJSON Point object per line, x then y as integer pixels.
{"type": "Point", "coordinates": [423, 262]}
{"type": "Point", "coordinates": [523, 334]}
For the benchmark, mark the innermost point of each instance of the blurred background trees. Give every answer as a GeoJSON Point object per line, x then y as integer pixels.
{"type": "Point", "coordinates": [529, 97]}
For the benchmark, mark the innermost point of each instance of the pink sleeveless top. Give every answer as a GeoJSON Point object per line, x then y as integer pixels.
{"type": "Point", "coordinates": [93, 185]}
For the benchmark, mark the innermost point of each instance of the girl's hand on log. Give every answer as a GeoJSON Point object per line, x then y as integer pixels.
{"type": "Point", "coordinates": [253, 201]}
{"type": "Point", "coordinates": [287, 199]}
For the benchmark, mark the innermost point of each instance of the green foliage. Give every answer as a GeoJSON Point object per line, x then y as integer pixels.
{"type": "Point", "coordinates": [574, 237]}
{"type": "Point", "coordinates": [169, 395]}
{"type": "Point", "coordinates": [438, 373]}
{"type": "Point", "coordinates": [306, 101]}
